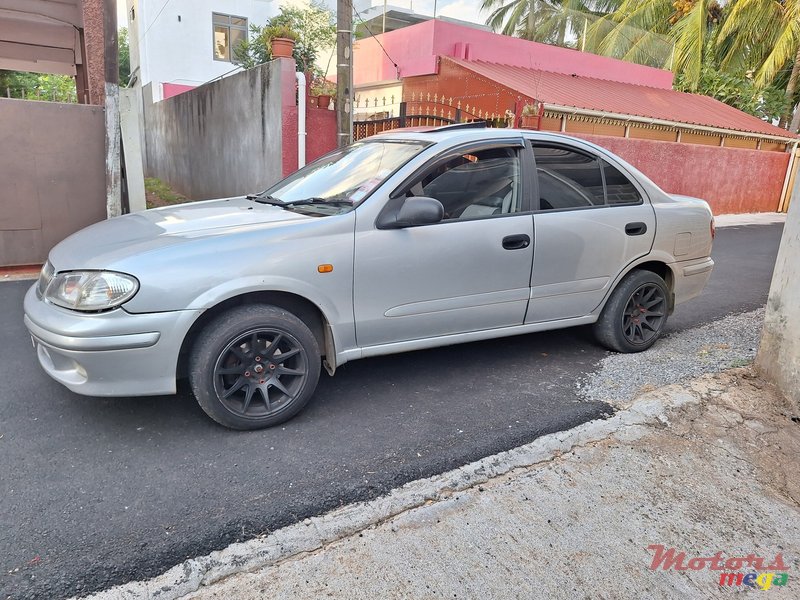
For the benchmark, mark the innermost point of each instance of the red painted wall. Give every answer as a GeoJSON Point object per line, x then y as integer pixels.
{"type": "Point", "coordinates": [320, 138]}
{"type": "Point", "coordinates": [732, 180]}
{"type": "Point", "coordinates": [415, 50]}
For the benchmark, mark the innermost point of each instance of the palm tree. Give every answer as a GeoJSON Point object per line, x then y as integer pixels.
{"type": "Point", "coordinates": [661, 33]}
{"type": "Point", "coordinates": [559, 22]}
{"type": "Point", "coordinates": [764, 35]}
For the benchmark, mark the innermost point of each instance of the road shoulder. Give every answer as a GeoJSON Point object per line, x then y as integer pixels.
{"type": "Point", "coordinates": [702, 466]}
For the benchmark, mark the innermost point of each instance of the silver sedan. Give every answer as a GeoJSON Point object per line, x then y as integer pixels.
{"type": "Point", "coordinates": [403, 241]}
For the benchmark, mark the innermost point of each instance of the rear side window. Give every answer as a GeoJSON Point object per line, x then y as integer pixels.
{"type": "Point", "coordinates": [619, 189]}
{"type": "Point", "coordinates": [568, 179]}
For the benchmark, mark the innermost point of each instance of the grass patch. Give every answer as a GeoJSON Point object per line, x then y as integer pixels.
{"type": "Point", "coordinates": [159, 193]}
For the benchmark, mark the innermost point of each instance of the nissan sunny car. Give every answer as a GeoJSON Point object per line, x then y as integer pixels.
{"type": "Point", "coordinates": [402, 241]}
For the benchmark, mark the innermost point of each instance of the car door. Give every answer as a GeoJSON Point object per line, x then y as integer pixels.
{"type": "Point", "coordinates": [590, 221]}
{"type": "Point", "coordinates": [468, 272]}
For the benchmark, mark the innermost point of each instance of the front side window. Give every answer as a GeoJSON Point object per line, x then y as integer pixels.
{"type": "Point", "coordinates": [479, 184]}
{"type": "Point", "coordinates": [346, 176]}
{"type": "Point", "coordinates": [229, 33]}
{"type": "Point", "coordinates": [568, 179]}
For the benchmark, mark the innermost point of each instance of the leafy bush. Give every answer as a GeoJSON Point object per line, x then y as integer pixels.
{"type": "Point", "coordinates": [313, 29]}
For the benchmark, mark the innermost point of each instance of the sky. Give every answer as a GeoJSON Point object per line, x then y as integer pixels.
{"type": "Point", "coordinates": [466, 10]}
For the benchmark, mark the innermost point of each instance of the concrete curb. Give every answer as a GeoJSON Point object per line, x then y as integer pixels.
{"type": "Point", "coordinates": [315, 533]}
{"type": "Point", "coordinates": [749, 219]}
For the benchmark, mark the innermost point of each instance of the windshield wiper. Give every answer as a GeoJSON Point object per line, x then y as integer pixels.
{"type": "Point", "coordinates": [317, 200]}
{"type": "Point", "coordinates": [302, 202]}
{"type": "Point", "coordinates": [265, 199]}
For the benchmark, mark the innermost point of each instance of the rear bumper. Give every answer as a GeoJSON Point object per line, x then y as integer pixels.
{"type": "Point", "coordinates": [691, 276]}
{"type": "Point", "coordinates": [108, 354]}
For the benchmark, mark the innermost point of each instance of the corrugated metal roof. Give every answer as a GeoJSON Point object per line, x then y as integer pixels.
{"type": "Point", "coordinates": [623, 98]}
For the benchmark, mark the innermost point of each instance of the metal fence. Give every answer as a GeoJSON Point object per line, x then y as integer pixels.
{"type": "Point", "coordinates": [425, 112]}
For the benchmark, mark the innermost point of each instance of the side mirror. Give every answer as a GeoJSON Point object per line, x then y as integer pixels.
{"type": "Point", "coordinates": [418, 210]}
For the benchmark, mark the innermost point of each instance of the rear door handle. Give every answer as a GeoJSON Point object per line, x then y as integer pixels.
{"type": "Point", "coordinates": [637, 228]}
{"type": "Point", "coordinates": [516, 242]}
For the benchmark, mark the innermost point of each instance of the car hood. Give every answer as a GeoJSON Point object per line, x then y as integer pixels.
{"type": "Point", "coordinates": [104, 243]}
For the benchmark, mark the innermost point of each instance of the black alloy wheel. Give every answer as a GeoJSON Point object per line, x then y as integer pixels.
{"type": "Point", "coordinates": [635, 314]}
{"type": "Point", "coordinates": [260, 372]}
{"type": "Point", "coordinates": [254, 366]}
{"type": "Point", "coordinates": [644, 314]}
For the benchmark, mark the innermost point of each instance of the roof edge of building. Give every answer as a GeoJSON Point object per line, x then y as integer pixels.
{"type": "Point", "coordinates": [785, 137]}
{"type": "Point", "coordinates": [602, 114]}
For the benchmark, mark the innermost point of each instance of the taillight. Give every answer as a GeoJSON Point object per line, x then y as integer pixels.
{"type": "Point", "coordinates": [713, 228]}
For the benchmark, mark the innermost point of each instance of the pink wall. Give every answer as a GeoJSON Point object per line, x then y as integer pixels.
{"type": "Point", "coordinates": [415, 50]}
{"type": "Point", "coordinates": [173, 89]}
{"type": "Point", "coordinates": [732, 180]}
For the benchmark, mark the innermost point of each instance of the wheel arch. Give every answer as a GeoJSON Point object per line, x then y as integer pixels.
{"type": "Point", "coordinates": [303, 308]}
{"type": "Point", "coordinates": [647, 263]}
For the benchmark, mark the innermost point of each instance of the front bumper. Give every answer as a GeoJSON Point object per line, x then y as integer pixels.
{"type": "Point", "coordinates": [114, 353]}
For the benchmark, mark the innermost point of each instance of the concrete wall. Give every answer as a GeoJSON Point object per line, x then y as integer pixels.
{"type": "Point", "coordinates": [220, 139]}
{"type": "Point", "coordinates": [52, 175]}
{"type": "Point", "coordinates": [732, 180]}
{"type": "Point", "coordinates": [779, 353]}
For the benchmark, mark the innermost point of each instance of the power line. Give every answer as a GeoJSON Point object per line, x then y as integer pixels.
{"type": "Point", "coordinates": [396, 68]}
{"type": "Point", "coordinates": [153, 22]}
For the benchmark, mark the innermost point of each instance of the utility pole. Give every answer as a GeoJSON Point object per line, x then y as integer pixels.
{"type": "Point", "coordinates": [111, 68]}
{"type": "Point", "coordinates": [344, 70]}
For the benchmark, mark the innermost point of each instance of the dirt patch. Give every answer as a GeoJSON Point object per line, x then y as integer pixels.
{"type": "Point", "coordinates": [743, 415]}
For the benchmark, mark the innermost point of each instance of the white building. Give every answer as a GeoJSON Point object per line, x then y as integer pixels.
{"type": "Point", "coordinates": [180, 44]}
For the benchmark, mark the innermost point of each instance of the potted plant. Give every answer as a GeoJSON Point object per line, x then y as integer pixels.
{"type": "Point", "coordinates": [281, 39]}
{"type": "Point", "coordinates": [530, 116]}
{"type": "Point", "coordinates": [324, 90]}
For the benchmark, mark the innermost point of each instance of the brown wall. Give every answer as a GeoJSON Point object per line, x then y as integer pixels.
{"type": "Point", "coordinates": [469, 87]}
{"type": "Point", "coordinates": [52, 175]}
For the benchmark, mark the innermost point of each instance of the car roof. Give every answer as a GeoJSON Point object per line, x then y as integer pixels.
{"type": "Point", "coordinates": [452, 134]}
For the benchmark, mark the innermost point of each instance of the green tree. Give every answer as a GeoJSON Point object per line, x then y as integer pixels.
{"type": "Point", "coordinates": [738, 90]}
{"type": "Point", "coordinates": [559, 22]}
{"type": "Point", "coordinates": [671, 34]}
{"type": "Point", "coordinates": [764, 35]}
{"type": "Point", "coordinates": [124, 57]}
{"type": "Point", "coordinates": [36, 86]}
{"type": "Point", "coordinates": [314, 27]}
{"type": "Point", "coordinates": [712, 46]}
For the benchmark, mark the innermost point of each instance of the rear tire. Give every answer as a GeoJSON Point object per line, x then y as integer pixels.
{"type": "Point", "coordinates": [635, 314]}
{"type": "Point", "coordinates": [254, 366]}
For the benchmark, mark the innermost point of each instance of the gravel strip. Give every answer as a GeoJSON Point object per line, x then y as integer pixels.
{"type": "Point", "coordinates": [729, 342]}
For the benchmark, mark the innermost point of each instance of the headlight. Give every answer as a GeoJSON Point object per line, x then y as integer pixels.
{"type": "Point", "coordinates": [45, 277]}
{"type": "Point", "coordinates": [91, 290]}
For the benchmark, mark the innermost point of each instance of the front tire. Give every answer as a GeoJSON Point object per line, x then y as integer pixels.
{"type": "Point", "coordinates": [254, 366]}
{"type": "Point", "coordinates": [636, 313]}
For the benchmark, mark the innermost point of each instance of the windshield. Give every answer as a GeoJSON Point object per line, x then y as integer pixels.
{"type": "Point", "coordinates": [348, 174]}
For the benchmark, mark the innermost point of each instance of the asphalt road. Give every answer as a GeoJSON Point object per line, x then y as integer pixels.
{"type": "Point", "coordinates": [97, 492]}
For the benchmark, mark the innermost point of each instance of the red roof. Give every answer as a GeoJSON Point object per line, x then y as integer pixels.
{"type": "Point", "coordinates": [622, 98]}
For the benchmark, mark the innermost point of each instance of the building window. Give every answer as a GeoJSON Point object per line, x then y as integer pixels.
{"type": "Point", "coordinates": [229, 32]}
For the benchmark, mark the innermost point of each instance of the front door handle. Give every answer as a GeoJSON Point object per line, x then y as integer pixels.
{"type": "Point", "coordinates": [637, 228]}
{"type": "Point", "coordinates": [516, 242]}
